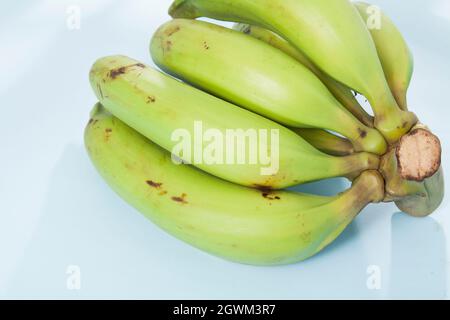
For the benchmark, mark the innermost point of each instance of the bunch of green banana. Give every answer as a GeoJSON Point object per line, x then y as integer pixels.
{"type": "Point", "coordinates": [270, 82]}
{"type": "Point", "coordinates": [241, 224]}
{"type": "Point", "coordinates": [395, 57]}
{"type": "Point", "coordinates": [342, 93]}
{"type": "Point", "coordinates": [393, 51]}
{"type": "Point", "coordinates": [203, 150]}
{"type": "Point", "coordinates": [330, 33]}
{"type": "Point", "coordinates": [157, 106]}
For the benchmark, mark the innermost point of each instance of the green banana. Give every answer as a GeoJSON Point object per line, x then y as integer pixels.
{"type": "Point", "coordinates": [257, 77]}
{"type": "Point", "coordinates": [393, 51]}
{"type": "Point", "coordinates": [159, 107]}
{"type": "Point", "coordinates": [233, 222]}
{"type": "Point", "coordinates": [326, 141]}
{"type": "Point", "coordinates": [330, 33]}
{"type": "Point", "coordinates": [342, 93]}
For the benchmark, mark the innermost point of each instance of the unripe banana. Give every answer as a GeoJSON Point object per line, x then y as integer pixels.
{"type": "Point", "coordinates": [342, 93]}
{"type": "Point", "coordinates": [257, 77]}
{"type": "Point", "coordinates": [331, 33]}
{"type": "Point", "coordinates": [230, 221]}
{"type": "Point", "coordinates": [393, 51]}
{"type": "Point", "coordinates": [160, 107]}
{"type": "Point", "coordinates": [326, 141]}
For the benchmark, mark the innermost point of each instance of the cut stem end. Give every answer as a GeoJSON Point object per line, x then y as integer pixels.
{"type": "Point", "coordinates": [418, 155]}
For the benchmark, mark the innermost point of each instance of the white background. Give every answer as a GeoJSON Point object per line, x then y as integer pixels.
{"type": "Point", "coordinates": [55, 211]}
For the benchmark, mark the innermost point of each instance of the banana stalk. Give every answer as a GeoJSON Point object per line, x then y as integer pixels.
{"type": "Point", "coordinates": [342, 93]}
{"type": "Point", "coordinates": [393, 51]}
{"type": "Point", "coordinates": [233, 222]}
{"type": "Point", "coordinates": [413, 174]}
{"type": "Point", "coordinates": [326, 141]}
{"type": "Point", "coordinates": [330, 33]}
{"type": "Point", "coordinates": [178, 117]}
{"type": "Point", "coordinates": [424, 202]}
{"type": "Point", "coordinates": [257, 77]}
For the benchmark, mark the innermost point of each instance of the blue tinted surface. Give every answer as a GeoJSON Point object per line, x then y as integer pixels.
{"type": "Point", "coordinates": [57, 215]}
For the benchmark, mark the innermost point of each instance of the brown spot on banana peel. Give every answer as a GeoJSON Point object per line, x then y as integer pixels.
{"type": "Point", "coordinates": [170, 31]}
{"type": "Point", "coordinates": [151, 99]}
{"type": "Point", "coordinates": [114, 73]}
{"type": "Point", "coordinates": [181, 199]}
{"type": "Point", "coordinates": [362, 133]}
{"type": "Point", "coordinates": [267, 184]}
{"type": "Point", "coordinates": [266, 189]}
{"type": "Point", "coordinates": [269, 196]}
{"type": "Point", "coordinates": [108, 132]}
{"type": "Point", "coordinates": [153, 184]}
